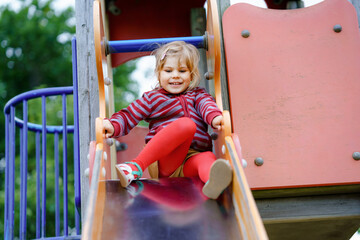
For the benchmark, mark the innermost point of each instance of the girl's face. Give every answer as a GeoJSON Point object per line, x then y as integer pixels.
{"type": "Point", "coordinates": [175, 76]}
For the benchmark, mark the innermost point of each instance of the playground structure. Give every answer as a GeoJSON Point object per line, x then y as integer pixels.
{"type": "Point", "coordinates": [290, 97]}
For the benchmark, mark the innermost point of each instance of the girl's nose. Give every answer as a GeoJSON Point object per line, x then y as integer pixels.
{"type": "Point", "coordinates": [175, 74]}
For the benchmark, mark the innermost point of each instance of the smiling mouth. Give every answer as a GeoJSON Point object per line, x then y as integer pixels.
{"type": "Point", "coordinates": [175, 83]}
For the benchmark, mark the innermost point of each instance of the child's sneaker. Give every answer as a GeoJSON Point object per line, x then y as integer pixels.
{"type": "Point", "coordinates": [219, 178]}
{"type": "Point", "coordinates": [125, 173]}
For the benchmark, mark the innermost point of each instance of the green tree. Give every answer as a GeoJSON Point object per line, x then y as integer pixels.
{"type": "Point", "coordinates": [125, 89]}
{"type": "Point", "coordinates": [35, 52]}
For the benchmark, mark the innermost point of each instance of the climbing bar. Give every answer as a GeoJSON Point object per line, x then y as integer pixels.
{"type": "Point", "coordinates": [37, 127]}
{"type": "Point", "coordinates": [146, 45]}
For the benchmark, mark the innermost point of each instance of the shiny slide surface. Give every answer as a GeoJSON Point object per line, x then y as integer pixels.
{"type": "Point", "coordinates": [167, 208]}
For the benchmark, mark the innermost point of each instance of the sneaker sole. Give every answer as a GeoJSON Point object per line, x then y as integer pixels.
{"type": "Point", "coordinates": [220, 177]}
{"type": "Point", "coordinates": [121, 175]}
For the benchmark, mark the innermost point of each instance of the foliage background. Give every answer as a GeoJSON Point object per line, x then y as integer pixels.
{"type": "Point", "coordinates": [35, 52]}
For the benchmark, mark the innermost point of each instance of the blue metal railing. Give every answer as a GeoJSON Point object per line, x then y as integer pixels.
{"type": "Point", "coordinates": [42, 132]}
{"type": "Point", "coordinates": [145, 45]}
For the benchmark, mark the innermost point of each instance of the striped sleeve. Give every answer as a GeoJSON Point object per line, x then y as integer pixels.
{"type": "Point", "coordinates": [206, 106]}
{"type": "Point", "coordinates": [127, 118]}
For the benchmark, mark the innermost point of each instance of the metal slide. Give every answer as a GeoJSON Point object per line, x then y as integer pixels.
{"type": "Point", "coordinates": [167, 208]}
{"type": "Point", "coordinates": [170, 208]}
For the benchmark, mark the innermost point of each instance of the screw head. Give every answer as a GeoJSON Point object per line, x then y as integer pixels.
{"type": "Point", "coordinates": [214, 136]}
{"type": "Point", "coordinates": [87, 172]}
{"type": "Point", "coordinates": [356, 156]}
{"type": "Point", "coordinates": [244, 163]}
{"type": "Point", "coordinates": [120, 146]}
{"type": "Point", "coordinates": [259, 161]}
{"type": "Point", "coordinates": [245, 33]}
{"type": "Point", "coordinates": [107, 81]}
{"type": "Point", "coordinates": [337, 28]}
{"type": "Point", "coordinates": [223, 149]}
{"type": "Point", "coordinates": [209, 75]}
{"type": "Point", "coordinates": [109, 141]}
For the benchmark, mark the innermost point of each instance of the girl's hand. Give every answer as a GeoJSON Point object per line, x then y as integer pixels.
{"type": "Point", "coordinates": [218, 122]}
{"type": "Point", "coordinates": [109, 128]}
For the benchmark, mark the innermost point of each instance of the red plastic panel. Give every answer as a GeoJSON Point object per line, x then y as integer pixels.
{"type": "Point", "coordinates": [294, 87]}
{"type": "Point", "coordinates": [135, 142]}
{"type": "Point", "coordinates": [143, 19]}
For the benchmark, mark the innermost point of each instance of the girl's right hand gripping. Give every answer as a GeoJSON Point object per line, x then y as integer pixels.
{"type": "Point", "coordinates": [109, 128]}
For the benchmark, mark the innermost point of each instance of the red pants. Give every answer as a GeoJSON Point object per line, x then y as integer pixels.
{"type": "Point", "coordinates": [170, 146]}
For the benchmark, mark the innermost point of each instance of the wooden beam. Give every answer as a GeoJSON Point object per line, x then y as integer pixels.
{"type": "Point", "coordinates": [109, 90]}
{"type": "Point", "coordinates": [329, 229]}
{"type": "Point", "coordinates": [306, 191]}
{"type": "Point", "coordinates": [310, 207]}
{"type": "Point", "coordinates": [198, 28]}
{"type": "Point", "coordinates": [87, 87]}
{"type": "Point", "coordinates": [222, 6]}
{"type": "Point", "coordinates": [328, 217]}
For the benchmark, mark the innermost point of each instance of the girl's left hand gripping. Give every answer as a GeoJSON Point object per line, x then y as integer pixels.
{"type": "Point", "coordinates": [218, 122]}
{"type": "Point", "coordinates": [109, 128]}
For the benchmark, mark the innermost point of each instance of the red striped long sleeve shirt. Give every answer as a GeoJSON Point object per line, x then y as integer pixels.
{"type": "Point", "coordinates": [160, 108]}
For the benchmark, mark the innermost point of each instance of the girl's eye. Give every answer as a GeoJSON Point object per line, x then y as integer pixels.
{"type": "Point", "coordinates": [183, 70]}
{"type": "Point", "coordinates": [167, 70]}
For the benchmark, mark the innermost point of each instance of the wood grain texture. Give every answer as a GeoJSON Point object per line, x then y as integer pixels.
{"type": "Point", "coordinates": [87, 85]}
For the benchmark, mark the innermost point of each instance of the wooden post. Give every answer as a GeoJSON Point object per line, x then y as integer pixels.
{"type": "Point", "coordinates": [109, 91]}
{"type": "Point", "coordinates": [222, 6]}
{"type": "Point", "coordinates": [88, 88]}
{"type": "Point", "coordinates": [198, 28]}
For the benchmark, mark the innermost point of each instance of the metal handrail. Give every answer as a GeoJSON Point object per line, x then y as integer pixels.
{"type": "Point", "coordinates": [145, 45]}
{"type": "Point", "coordinates": [36, 94]}
{"type": "Point", "coordinates": [43, 129]}
{"type": "Point", "coordinates": [12, 123]}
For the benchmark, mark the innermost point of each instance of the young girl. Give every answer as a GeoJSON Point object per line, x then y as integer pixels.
{"type": "Point", "coordinates": [178, 113]}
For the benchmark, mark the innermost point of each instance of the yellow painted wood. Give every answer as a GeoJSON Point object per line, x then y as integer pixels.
{"type": "Point", "coordinates": [214, 50]}
{"type": "Point", "coordinates": [101, 63]}
{"type": "Point", "coordinates": [249, 218]}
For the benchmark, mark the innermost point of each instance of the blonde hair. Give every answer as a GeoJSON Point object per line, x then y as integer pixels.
{"type": "Point", "coordinates": [184, 51]}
